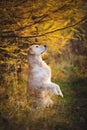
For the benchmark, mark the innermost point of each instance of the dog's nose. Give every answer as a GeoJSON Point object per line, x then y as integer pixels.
{"type": "Point", "coordinates": [45, 46]}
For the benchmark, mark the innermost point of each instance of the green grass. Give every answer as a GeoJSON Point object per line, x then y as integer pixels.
{"type": "Point", "coordinates": [68, 113]}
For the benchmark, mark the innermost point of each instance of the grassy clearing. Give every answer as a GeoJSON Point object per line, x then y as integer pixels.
{"type": "Point", "coordinates": [68, 113]}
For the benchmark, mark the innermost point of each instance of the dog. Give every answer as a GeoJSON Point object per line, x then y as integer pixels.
{"type": "Point", "coordinates": [40, 76]}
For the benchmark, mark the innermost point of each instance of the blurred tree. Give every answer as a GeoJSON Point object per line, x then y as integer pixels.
{"type": "Point", "coordinates": [62, 26]}
{"type": "Point", "coordinates": [54, 23]}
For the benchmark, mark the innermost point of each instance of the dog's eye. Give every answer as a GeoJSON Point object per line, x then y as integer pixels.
{"type": "Point", "coordinates": [37, 46]}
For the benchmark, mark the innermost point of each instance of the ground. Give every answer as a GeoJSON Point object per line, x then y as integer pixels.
{"type": "Point", "coordinates": [68, 113]}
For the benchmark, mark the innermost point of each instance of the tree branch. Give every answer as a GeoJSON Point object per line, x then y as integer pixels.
{"type": "Point", "coordinates": [36, 19]}
{"type": "Point", "coordinates": [43, 34]}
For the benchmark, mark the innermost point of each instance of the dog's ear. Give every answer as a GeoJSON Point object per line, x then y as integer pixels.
{"type": "Point", "coordinates": [30, 51]}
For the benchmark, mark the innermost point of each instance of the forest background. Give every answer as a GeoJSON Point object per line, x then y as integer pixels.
{"type": "Point", "coordinates": [62, 26]}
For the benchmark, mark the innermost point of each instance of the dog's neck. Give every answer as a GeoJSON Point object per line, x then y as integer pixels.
{"type": "Point", "coordinates": [34, 60]}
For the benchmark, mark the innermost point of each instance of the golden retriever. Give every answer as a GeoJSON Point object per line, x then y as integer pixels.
{"type": "Point", "coordinates": [40, 76]}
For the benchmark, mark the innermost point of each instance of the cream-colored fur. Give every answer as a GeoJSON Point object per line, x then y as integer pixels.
{"type": "Point", "coordinates": [40, 75]}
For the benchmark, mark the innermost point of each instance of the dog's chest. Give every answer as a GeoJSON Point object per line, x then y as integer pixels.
{"type": "Point", "coordinates": [41, 70]}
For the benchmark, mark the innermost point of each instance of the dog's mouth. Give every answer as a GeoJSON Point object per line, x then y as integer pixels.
{"type": "Point", "coordinates": [44, 49]}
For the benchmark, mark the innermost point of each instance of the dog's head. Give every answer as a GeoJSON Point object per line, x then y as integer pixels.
{"type": "Point", "coordinates": [37, 49]}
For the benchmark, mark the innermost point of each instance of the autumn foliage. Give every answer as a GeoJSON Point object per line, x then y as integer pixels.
{"type": "Point", "coordinates": [62, 26]}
